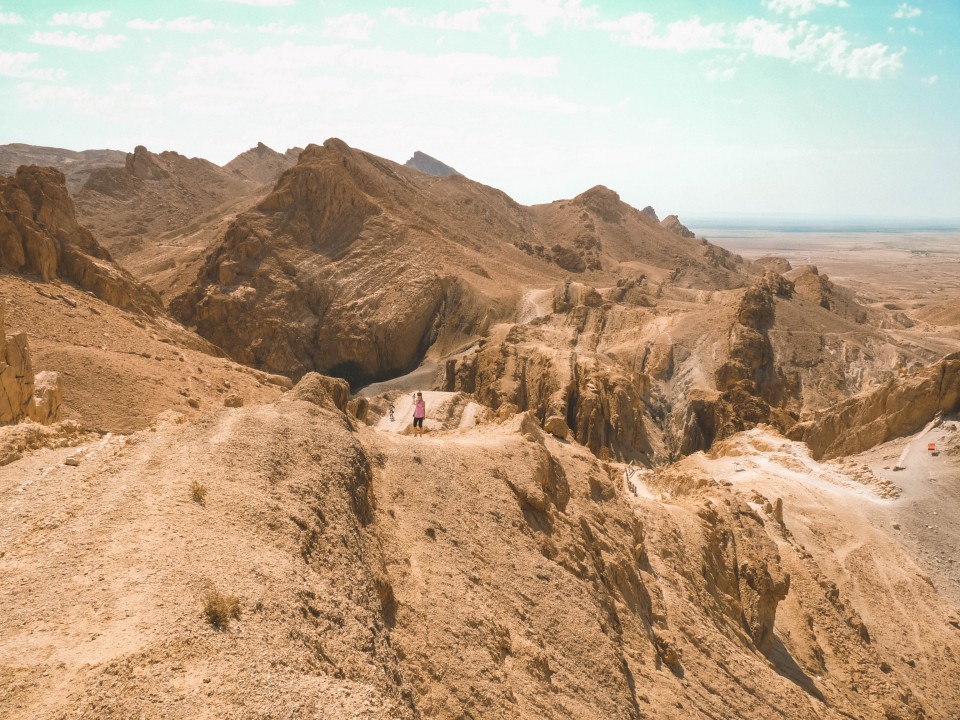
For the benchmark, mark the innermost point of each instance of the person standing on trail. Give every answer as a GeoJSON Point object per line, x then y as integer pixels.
{"type": "Point", "coordinates": [419, 413]}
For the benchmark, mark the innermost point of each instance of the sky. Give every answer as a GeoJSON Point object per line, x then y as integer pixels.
{"type": "Point", "coordinates": [801, 108]}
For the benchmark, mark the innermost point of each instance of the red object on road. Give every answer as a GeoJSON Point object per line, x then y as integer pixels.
{"type": "Point", "coordinates": [932, 447]}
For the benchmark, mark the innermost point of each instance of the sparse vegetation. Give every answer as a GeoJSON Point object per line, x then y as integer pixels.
{"type": "Point", "coordinates": [198, 492]}
{"type": "Point", "coordinates": [220, 609]}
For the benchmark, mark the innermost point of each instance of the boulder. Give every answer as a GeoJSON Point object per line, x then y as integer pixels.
{"type": "Point", "coordinates": [23, 396]}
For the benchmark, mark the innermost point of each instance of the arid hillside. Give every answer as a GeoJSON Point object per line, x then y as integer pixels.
{"type": "Point", "coordinates": [75, 165]}
{"type": "Point", "coordinates": [657, 480]}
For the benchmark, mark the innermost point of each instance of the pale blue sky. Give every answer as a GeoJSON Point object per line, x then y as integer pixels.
{"type": "Point", "coordinates": [802, 107]}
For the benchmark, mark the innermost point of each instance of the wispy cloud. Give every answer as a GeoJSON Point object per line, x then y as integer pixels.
{"type": "Point", "coordinates": [77, 41]}
{"type": "Point", "coordinates": [905, 12]}
{"type": "Point", "coordinates": [641, 29]}
{"type": "Point", "coordinates": [20, 65]}
{"type": "Point", "coordinates": [798, 8]}
{"type": "Point", "coordinates": [10, 18]}
{"type": "Point", "coordinates": [353, 26]}
{"type": "Point", "coordinates": [466, 20]}
{"type": "Point", "coordinates": [539, 15]}
{"type": "Point", "coordinates": [932, 80]}
{"type": "Point", "coordinates": [826, 49]}
{"type": "Point", "coordinates": [280, 28]}
{"type": "Point", "coordinates": [106, 100]}
{"type": "Point", "coordinates": [183, 24]}
{"type": "Point", "coordinates": [85, 20]}
{"type": "Point", "coordinates": [263, 3]}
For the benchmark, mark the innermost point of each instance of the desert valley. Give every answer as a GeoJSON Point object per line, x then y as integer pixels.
{"type": "Point", "coordinates": [663, 475]}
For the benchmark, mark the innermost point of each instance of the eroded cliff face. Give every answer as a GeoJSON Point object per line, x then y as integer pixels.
{"type": "Point", "coordinates": [40, 235]}
{"type": "Point", "coordinates": [899, 407]}
{"type": "Point", "coordinates": [23, 395]}
{"type": "Point", "coordinates": [315, 278]}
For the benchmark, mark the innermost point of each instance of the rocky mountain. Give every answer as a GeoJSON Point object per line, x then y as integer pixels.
{"type": "Point", "coordinates": [431, 166]}
{"type": "Point", "coordinates": [664, 343]}
{"type": "Point", "coordinates": [556, 545]}
{"type": "Point", "coordinates": [158, 213]}
{"type": "Point", "coordinates": [76, 166]}
{"type": "Point", "coordinates": [40, 235]}
{"type": "Point", "coordinates": [262, 164]}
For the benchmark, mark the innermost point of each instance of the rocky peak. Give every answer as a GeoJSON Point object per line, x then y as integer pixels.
{"type": "Point", "coordinates": [603, 201]}
{"type": "Point", "coordinates": [673, 224]}
{"type": "Point", "coordinates": [145, 165]}
{"type": "Point", "coordinates": [429, 165]}
{"type": "Point", "coordinates": [650, 213]}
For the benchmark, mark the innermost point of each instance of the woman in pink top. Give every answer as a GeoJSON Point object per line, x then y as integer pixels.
{"type": "Point", "coordinates": [419, 413]}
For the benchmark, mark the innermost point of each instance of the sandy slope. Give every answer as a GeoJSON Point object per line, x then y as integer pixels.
{"type": "Point", "coordinates": [483, 571]}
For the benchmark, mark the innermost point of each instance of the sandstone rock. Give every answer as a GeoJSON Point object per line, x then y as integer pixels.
{"type": "Point", "coordinates": [900, 407]}
{"type": "Point", "coordinates": [47, 397]}
{"type": "Point", "coordinates": [40, 235]}
{"type": "Point", "coordinates": [318, 389]}
{"type": "Point", "coordinates": [557, 426]}
{"type": "Point", "coordinates": [358, 407]}
{"type": "Point", "coordinates": [233, 400]}
{"type": "Point", "coordinates": [22, 395]}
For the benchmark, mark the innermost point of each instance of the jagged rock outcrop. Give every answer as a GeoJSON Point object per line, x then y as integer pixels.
{"type": "Point", "coordinates": [24, 396]}
{"type": "Point", "coordinates": [673, 224]}
{"type": "Point", "coordinates": [40, 235]}
{"type": "Point", "coordinates": [900, 407]}
{"type": "Point", "coordinates": [263, 164]}
{"type": "Point", "coordinates": [429, 165]}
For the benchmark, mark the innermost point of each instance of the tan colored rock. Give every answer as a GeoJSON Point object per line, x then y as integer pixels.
{"type": "Point", "coordinates": [233, 400]}
{"type": "Point", "coordinates": [557, 426]}
{"type": "Point", "coordinates": [40, 235]}
{"type": "Point", "coordinates": [900, 407]}
{"type": "Point", "coordinates": [47, 398]}
{"type": "Point", "coordinates": [318, 389]}
{"type": "Point", "coordinates": [23, 396]}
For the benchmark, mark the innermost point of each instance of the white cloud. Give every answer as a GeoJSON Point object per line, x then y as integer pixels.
{"type": "Point", "coordinates": [467, 20]}
{"type": "Point", "coordinates": [183, 24]}
{"type": "Point", "coordinates": [10, 19]}
{"type": "Point", "coordinates": [832, 51]}
{"type": "Point", "coordinates": [932, 80]}
{"type": "Point", "coordinates": [766, 38]}
{"type": "Point", "coordinates": [280, 28]}
{"type": "Point", "coordinates": [189, 25]}
{"type": "Point", "coordinates": [720, 73]}
{"type": "Point", "coordinates": [796, 8]}
{"type": "Point", "coordinates": [641, 29]}
{"type": "Point", "coordinates": [263, 3]}
{"type": "Point", "coordinates": [107, 100]}
{"type": "Point", "coordinates": [905, 12]}
{"type": "Point", "coordinates": [76, 41]}
{"type": "Point", "coordinates": [20, 65]}
{"type": "Point", "coordinates": [140, 24]}
{"type": "Point", "coordinates": [85, 20]}
{"type": "Point", "coordinates": [827, 50]}
{"type": "Point", "coordinates": [353, 26]}
{"type": "Point", "coordinates": [538, 15]}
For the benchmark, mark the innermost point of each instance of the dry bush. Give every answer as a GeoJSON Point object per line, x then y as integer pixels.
{"type": "Point", "coordinates": [219, 609]}
{"type": "Point", "coordinates": [198, 491]}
